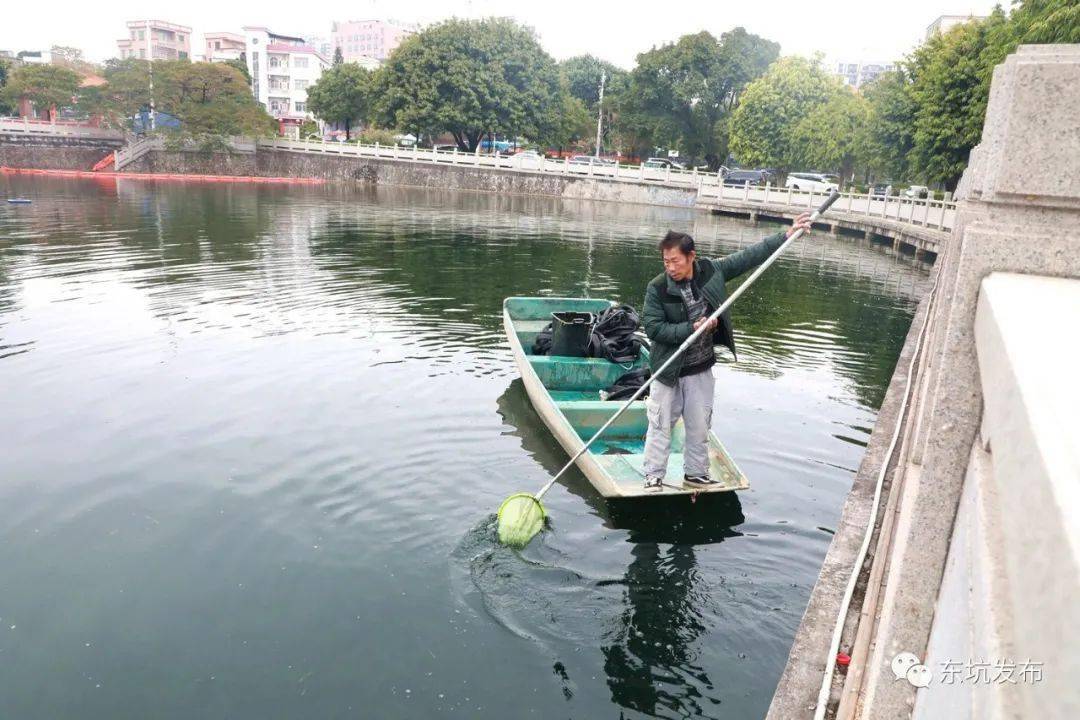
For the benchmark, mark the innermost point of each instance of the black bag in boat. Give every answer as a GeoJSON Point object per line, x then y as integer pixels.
{"type": "Point", "coordinates": [542, 344]}
{"type": "Point", "coordinates": [570, 333]}
{"type": "Point", "coordinates": [613, 335]}
{"type": "Point", "coordinates": [627, 384]}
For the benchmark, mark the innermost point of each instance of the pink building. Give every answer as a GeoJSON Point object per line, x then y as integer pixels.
{"type": "Point", "coordinates": [372, 39]}
{"type": "Point", "coordinates": [155, 40]}
{"type": "Point", "coordinates": [221, 46]}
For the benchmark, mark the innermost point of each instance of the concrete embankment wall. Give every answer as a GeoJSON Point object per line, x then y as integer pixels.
{"type": "Point", "coordinates": [53, 153]}
{"type": "Point", "coordinates": [975, 564]}
{"type": "Point", "coordinates": [282, 163]}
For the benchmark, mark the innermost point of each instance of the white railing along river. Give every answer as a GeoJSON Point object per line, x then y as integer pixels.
{"type": "Point", "coordinates": [22, 126]}
{"type": "Point", "coordinates": [928, 213]}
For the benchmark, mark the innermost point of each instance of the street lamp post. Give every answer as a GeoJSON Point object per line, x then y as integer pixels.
{"type": "Point", "coordinates": [150, 64]}
{"type": "Point", "coordinates": [600, 111]}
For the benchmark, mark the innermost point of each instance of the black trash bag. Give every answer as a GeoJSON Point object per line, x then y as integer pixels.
{"type": "Point", "coordinates": [627, 384]}
{"type": "Point", "coordinates": [542, 343]}
{"type": "Point", "coordinates": [613, 335]}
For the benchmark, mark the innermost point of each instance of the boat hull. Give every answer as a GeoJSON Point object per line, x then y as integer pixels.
{"type": "Point", "coordinates": [564, 392]}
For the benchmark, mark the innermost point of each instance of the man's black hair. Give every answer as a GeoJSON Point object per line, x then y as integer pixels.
{"type": "Point", "coordinates": [684, 242]}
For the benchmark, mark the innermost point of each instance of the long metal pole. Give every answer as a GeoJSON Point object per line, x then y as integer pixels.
{"type": "Point", "coordinates": [694, 336]}
{"type": "Point", "coordinates": [150, 64]}
{"type": "Point", "coordinates": [600, 111]}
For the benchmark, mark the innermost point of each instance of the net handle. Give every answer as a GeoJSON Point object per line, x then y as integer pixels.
{"type": "Point", "coordinates": [833, 197]}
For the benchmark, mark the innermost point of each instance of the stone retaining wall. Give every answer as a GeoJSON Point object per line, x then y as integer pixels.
{"type": "Point", "coordinates": [53, 153]}
{"type": "Point", "coordinates": [282, 163]}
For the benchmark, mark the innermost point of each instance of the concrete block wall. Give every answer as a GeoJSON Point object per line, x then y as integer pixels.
{"type": "Point", "coordinates": [1017, 215]}
{"type": "Point", "coordinates": [53, 153]}
{"type": "Point", "coordinates": [981, 559]}
{"type": "Point", "coordinates": [282, 163]}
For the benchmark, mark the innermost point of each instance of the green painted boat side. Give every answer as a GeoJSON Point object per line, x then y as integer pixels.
{"type": "Point", "coordinates": [564, 391]}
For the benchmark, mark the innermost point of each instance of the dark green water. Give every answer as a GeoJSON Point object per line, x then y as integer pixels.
{"type": "Point", "coordinates": [253, 438]}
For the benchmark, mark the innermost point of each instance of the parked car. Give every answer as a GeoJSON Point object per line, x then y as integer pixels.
{"type": "Point", "coordinates": [810, 181]}
{"type": "Point", "coordinates": [444, 148]}
{"type": "Point", "coordinates": [741, 177]}
{"type": "Point", "coordinates": [881, 189]}
{"type": "Point", "coordinates": [917, 191]}
{"type": "Point", "coordinates": [662, 163]}
{"type": "Point", "coordinates": [527, 160]}
{"type": "Point", "coordinates": [587, 163]}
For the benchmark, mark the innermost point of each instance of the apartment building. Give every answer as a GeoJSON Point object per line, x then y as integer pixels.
{"type": "Point", "coordinates": [282, 68]}
{"type": "Point", "coordinates": [322, 44]}
{"type": "Point", "coordinates": [859, 73]}
{"type": "Point", "coordinates": [369, 39]}
{"type": "Point", "coordinates": [155, 40]}
{"type": "Point", "coordinates": [222, 46]}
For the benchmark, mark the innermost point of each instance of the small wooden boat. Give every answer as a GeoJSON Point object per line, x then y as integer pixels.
{"type": "Point", "coordinates": [565, 391]}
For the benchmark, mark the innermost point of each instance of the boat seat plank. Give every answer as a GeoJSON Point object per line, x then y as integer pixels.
{"type": "Point", "coordinates": [587, 416]}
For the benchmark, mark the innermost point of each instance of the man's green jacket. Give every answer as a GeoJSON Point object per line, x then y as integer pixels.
{"type": "Point", "coordinates": [665, 319]}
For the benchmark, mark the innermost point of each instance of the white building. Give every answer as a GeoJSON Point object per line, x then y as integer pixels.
{"type": "Point", "coordinates": [858, 73]}
{"type": "Point", "coordinates": [944, 23]}
{"type": "Point", "coordinates": [282, 68]}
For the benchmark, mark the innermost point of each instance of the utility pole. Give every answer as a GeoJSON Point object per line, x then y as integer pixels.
{"type": "Point", "coordinates": [150, 64]}
{"type": "Point", "coordinates": [600, 111]}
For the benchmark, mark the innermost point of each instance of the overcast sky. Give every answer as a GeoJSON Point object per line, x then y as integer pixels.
{"type": "Point", "coordinates": [841, 29]}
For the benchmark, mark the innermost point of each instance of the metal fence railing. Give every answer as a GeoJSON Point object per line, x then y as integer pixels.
{"type": "Point", "coordinates": [925, 212]}
{"type": "Point", "coordinates": [22, 126]}
{"type": "Point", "coordinates": [135, 150]}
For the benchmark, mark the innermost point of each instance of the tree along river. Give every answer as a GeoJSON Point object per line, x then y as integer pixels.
{"type": "Point", "coordinates": [254, 437]}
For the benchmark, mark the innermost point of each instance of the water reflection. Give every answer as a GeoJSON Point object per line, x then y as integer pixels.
{"type": "Point", "coordinates": [307, 391]}
{"type": "Point", "coordinates": [662, 604]}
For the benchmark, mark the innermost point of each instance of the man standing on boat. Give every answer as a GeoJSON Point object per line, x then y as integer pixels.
{"type": "Point", "coordinates": [677, 302]}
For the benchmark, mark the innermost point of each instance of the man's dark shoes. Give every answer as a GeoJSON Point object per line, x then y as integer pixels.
{"type": "Point", "coordinates": [699, 481]}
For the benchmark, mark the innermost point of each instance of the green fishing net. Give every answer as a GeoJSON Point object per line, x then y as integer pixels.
{"type": "Point", "coordinates": [521, 516]}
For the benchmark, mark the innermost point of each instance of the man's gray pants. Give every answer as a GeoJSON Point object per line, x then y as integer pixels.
{"type": "Point", "coordinates": [692, 399]}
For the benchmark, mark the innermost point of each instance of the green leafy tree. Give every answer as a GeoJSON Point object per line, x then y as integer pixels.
{"type": "Point", "coordinates": [1045, 22]}
{"type": "Point", "coordinates": [468, 78]}
{"type": "Point", "coordinates": [309, 129]}
{"type": "Point", "coordinates": [339, 57]}
{"type": "Point", "coordinates": [581, 77]}
{"type": "Point", "coordinates": [950, 101]}
{"type": "Point", "coordinates": [582, 74]}
{"type": "Point", "coordinates": [372, 135]}
{"type": "Point", "coordinates": [763, 124]}
{"type": "Point", "coordinates": [6, 106]}
{"type": "Point", "coordinates": [240, 64]}
{"type": "Point", "coordinates": [888, 136]}
{"type": "Point", "coordinates": [831, 136]}
{"type": "Point", "coordinates": [576, 126]}
{"type": "Point", "coordinates": [208, 98]}
{"type": "Point", "coordinates": [951, 74]}
{"type": "Point", "coordinates": [679, 95]}
{"type": "Point", "coordinates": [46, 86]}
{"type": "Point", "coordinates": [342, 95]}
